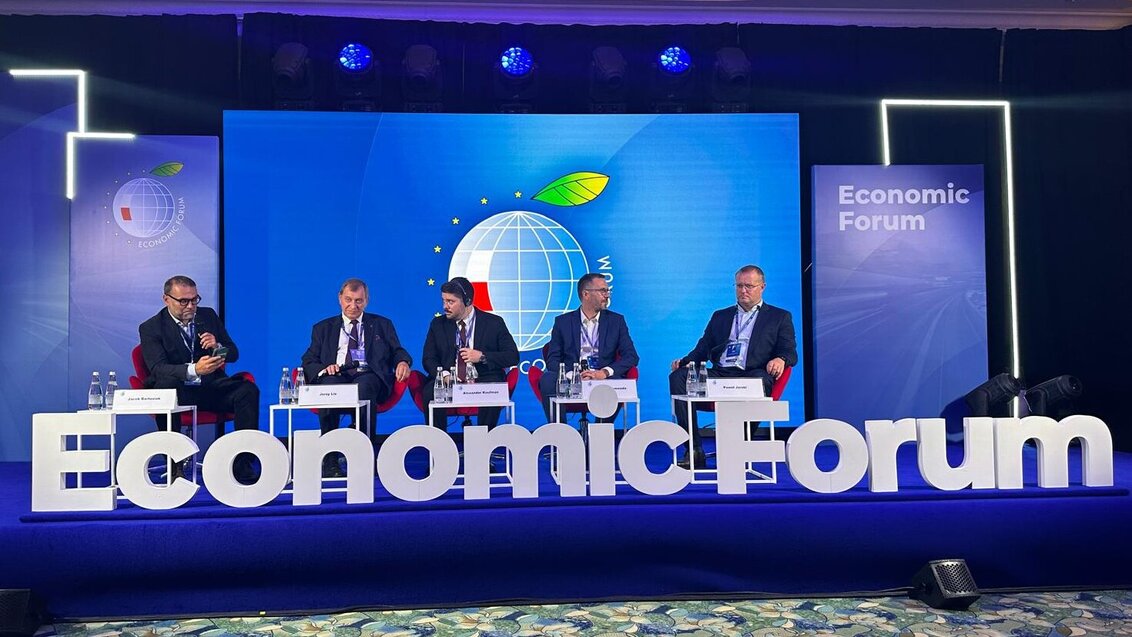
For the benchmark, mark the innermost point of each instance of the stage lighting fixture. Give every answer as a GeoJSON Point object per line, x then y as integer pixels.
{"type": "Point", "coordinates": [422, 80]}
{"type": "Point", "coordinates": [672, 84]}
{"type": "Point", "coordinates": [1054, 396]}
{"type": "Point", "coordinates": [607, 80]}
{"type": "Point", "coordinates": [292, 83]}
{"type": "Point", "coordinates": [357, 78]}
{"type": "Point", "coordinates": [515, 81]}
{"type": "Point", "coordinates": [674, 60]}
{"type": "Point", "coordinates": [516, 62]}
{"type": "Point", "coordinates": [355, 58]}
{"type": "Point", "coordinates": [994, 393]}
{"type": "Point", "coordinates": [731, 81]}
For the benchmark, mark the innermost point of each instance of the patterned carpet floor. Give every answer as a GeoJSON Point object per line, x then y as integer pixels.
{"type": "Point", "coordinates": [1021, 615]}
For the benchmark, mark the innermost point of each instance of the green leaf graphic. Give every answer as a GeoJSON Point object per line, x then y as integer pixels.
{"type": "Point", "coordinates": [168, 169]}
{"type": "Point", "coordinates": [574, 189]}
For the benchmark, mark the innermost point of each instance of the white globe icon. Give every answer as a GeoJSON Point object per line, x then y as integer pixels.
{"type": "Point", "coordinates": [524, 267]}
{"type": "Point", "coordinates": [144, 207]}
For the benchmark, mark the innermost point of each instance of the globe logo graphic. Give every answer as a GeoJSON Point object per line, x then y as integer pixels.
{"type": "Point", "coordinates": [524, 267]}
{"type": "Point", "coordinates": [144, 208]}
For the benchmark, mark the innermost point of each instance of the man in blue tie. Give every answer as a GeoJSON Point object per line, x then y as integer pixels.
{"type": "Point", "coordinates": [751, 339]}
{"type": "Point", "coordinates": [354, 347]}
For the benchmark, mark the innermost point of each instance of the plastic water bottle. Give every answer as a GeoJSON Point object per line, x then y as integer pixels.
{"type": "Point", "coordinates": [94, 395]}
{"type": "Point", "coordinates": [111, 387]}
{"type": "Point", "coordinates": [300, 382]}
{"type": "Point", "coordinates": [439, 391]}
{"type": "Point", "coordinates": [691, 382]}
{"type": "Point", "coordinates": [472, 373]}
{"type": "Point", "coordinates": [562, 389]}
{"type": "Point", "coordinates": [286, 391]}
{"type": "Point", "coordinates": [702, 380]}
{"type": "Point", "coordinates": [576, 382]}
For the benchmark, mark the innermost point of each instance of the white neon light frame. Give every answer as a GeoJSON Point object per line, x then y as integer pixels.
{"type": "Point", "coordinates": [1008, 153]}
{"type": "Point", "coordinates": [81, 132]}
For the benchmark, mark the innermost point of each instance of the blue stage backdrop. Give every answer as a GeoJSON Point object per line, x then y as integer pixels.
{"type": "Point", "coordinates": [37, 114]}
{"type": "Point", "coordinates": [900, 321]}
{"type": "Point", "coordinates": [667, 207]}
{"type": "Point", "coordinates": [143, 211]}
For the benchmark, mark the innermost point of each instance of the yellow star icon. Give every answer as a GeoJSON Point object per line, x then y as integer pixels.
{"type": "Point", "coordinates": [437, 314]}
{"type": "Point", "coordinates": [455, 221]}
{"type": "Point", "coordinates": [432, 281]}
{"type": "Point", "coordinates": [483, 201]}
{"type": "Point", "coordinates": [436, 249]}
{"type": "Point", "coordinates": [518, 194]}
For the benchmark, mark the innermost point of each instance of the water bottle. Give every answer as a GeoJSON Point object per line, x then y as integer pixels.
{"type": "Point", "coordinates": [562, 389]}
{"type": "Point", "coordinates": [576, 382]}
{"type": "Point", "coordinates": [111, 387]}
{"type": "Point", "coordinates": [452, 379]}
{"type": "Point", "coordinates": [300, 382]}
{"type": "Point", "coordinates": [286, 391]}
{"type": "Point", "coordinates": [439, 391]}
{"type": "Point", "coordinates": [703, 378]}
{"type": "Point", "coordinates": [691, 382]}
{"type": "Point", "coordinates": [472, 373]}
{"type": "Point", "coordinates": [94, 395]}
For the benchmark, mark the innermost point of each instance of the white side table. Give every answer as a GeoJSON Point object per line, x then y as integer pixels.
{"type": "Point", "coordinates": [769, 411]}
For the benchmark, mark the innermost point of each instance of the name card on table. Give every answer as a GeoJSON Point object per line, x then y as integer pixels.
{"type": "Point", "coordinates": [735, 388]}
{"type": "Point", "coordinates": [626, 388]}
{"type": "Point", "coordinates": [480, 394]}
{"type": "Point", "coordinates": [315, 395]}
{"type": "Point", "coordinates": [145, 400]}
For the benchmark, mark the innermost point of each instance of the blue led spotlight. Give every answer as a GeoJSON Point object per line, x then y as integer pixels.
{"type": "Point", "coordinates": [674, 60]}
{"type": "Point", "coordinates": [516, 62]}
{"type": "Point", "coordinates": [355, 58]}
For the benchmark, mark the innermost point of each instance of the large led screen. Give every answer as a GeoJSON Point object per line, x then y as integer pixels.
{"type": "Point", "coordinates": [667, 207]}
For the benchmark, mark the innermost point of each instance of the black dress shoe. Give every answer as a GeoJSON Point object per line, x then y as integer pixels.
{"type": "Point", "coordinates": [244, 471]}
{"type": "Point", "coordinates": [331, 468]}
{"type": "Point", "coordinates": [701, 461]}
{"type": "Point", "coordinates": [178, 470]}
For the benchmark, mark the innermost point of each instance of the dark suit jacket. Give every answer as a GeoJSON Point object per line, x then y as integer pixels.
{"type": "Point", "coordinates": [490, 337]}
{"type": "Point", "coordinates": [771, 337]}
{"type": "Point", "coordinates": [383, 348]}
{"type": "Point", "coordinates": [165, 354]}
{"type": "Point", "coordinates": [615, 346]}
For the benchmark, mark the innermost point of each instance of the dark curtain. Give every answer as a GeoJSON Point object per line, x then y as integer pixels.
{"type": "Point", "coordinates": [1073, 128]}
{"type": "Point", "coordinates": [147, 74]}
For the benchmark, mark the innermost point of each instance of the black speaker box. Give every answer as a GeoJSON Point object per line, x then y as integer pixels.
{"type": "Point", "coordinates": [945, 584]}
{"type": "Point", "coordinates": [21, 613]}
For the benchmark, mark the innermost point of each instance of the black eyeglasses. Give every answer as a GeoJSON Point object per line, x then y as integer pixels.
{"type": "Point", "coordinates": [605, 291]}
{"type": "Point", "coordinates": [185, 302]}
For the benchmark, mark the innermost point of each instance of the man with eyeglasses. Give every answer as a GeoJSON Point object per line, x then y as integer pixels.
{"type": "Point", "coordinates": [185, 347]}
{"type": "Point", "coordinates": [354, 347]}
{"type": "Point", "coordinates": [592, 333]}
{"type": "Point", "coordinates": [751, 339]}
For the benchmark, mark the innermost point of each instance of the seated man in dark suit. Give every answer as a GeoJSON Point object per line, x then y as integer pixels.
{"type": "Point", "coordinates": [180, 346]}
{"type": "Point", "coordinates": [752, 339]}
{"type": "Point", "coordinates": [354, 347]}
{"type": "Point", "coordinates": [466, 337]}
{"type": "Point", "coordinates": [591, 333]}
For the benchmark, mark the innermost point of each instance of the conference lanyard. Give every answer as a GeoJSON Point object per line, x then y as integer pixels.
{"type": "Point", "coordinates": [589, 338]}
{"type": "Point", "coordinates": [191, 338]}
{"type": "Point", "coordinates": [361, 336]}
{"type": "Point", "coordinates": [737, 329]}
{"type": "Point", "coordinates": [471, 325]}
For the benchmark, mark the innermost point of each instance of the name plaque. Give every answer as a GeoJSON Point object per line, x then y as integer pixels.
{"type": "Point", "coordinates": [145, 400]}
{"type": "Point", "coordinates": [626, 388]}
{"type": "Point", "coordinates": [482, 394]}
{"type": "Point", "coordinates": [316, 395]}
{"type": "Point", "coordinates": [750, 388]}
